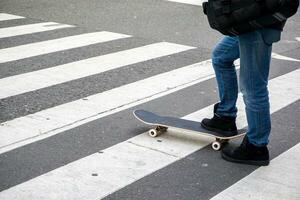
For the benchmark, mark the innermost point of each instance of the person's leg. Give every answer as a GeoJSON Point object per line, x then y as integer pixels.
{"type": "Point", "coordinates": [254, 72]}
{"type": "Point", "coordinates": [255, 55]}
{"type": "Point", "coordinates": [225, 111]}
{"type": "Point", "coordinates": [223, 56]}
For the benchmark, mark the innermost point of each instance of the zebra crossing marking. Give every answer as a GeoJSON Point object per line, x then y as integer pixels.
{"type": "Point", "coordinates": [280, 180]}
{"type": "Point", "coordinates": [279, 91]}
{"type": "Point", "coordinates": [43, 124]}
{"type": "Point", "coordinates": [281, 57]}
{"type": "Point", "coordinates": [50, 46]}
{"type": "Point", "coordinates": [31, 28]}
{"type": "Point", "coordinates": [131, 160]}
{"type": "Point", "coordinates": [14, 85]}
{"type": "Point", "coordinates": [5, 17]}
{"type": "Point", "coordinates": [191, 2]}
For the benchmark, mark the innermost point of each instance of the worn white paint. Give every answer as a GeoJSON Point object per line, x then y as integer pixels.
{"type": "Point", "coordinates": [24, 130]}
{"type": "Point", "coordinates": [281, 95]}
{"type": "Point", "coordinates": [50, 46]}
{"type": "Point", "coordinates": [128, 161]}
{"type": "Point", "coordinates": [281, 57]}
{"type": "Point", "coordinates": [31, 28]}
{"type": "Point", "coordinates": [280, 180]}
{"type": "Point", "coordinates": [5, 16]}
{"type": "Point", "coordinates": [191, 2]}
{"type": "Point", "coordinates": [298, 39]}
{"type": "Point", "coordinates": [14, 85]}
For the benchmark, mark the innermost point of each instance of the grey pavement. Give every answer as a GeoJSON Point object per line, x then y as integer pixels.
{"type": "Point", "coordinates": [200, 175]}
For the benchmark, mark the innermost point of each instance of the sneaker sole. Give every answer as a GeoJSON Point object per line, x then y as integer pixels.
{"type": "Point", "coordinates": [249, 162]}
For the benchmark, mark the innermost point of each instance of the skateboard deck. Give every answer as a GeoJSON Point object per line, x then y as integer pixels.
{"type": "Point", "coordinates": [162, 123]}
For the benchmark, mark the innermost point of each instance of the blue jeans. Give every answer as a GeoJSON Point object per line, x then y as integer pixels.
{"type": "Point", "coordinates": [254, 50]}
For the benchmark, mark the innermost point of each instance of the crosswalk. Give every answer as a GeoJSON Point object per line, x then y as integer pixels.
{"type": "Point", "coordinates": [84, 68]}
{"type": "Point", "coordinates": [264, 180]}
{"type": "Point", "coordinates": [189, 2]}
{"type": "Point", "coordinates": [107, 171]}
{"type": "Point", "coordinates": [5, 17]}
{"type": "Point", "coordinates": [31, 28]}
{"type": "Point", "coordinates": [41, 48]}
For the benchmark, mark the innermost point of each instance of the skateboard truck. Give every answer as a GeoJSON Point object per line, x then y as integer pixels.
{"type": "Point", "coordinates": [218, 144]}
{"type": "Point", "coordinates": [157, 131]}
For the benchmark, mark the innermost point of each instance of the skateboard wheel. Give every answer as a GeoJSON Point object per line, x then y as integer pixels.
{"type": "Point", "coordinates": [216, 146]}
{"type": "Point", "coordinates": [153, 133]}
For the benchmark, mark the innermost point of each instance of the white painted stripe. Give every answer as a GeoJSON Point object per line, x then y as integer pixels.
{"type": "Point", "coordinates": [298, 39]}
{"type": "Point", "coordinates": [280, 180]}
{"type": "Point", "coordinates": [43, 124]}
{"type": "Point", "coordinates": [128, 161]}
{"type": "Point", "coordinates": [4, 17]}
{"type": "Point", "coordinates": [281, 95]}
{"type": "Point", "coordinates": [31, 28]}
{"type": "Point", "coordinates": [281, 57]}
{"type": "Point", "coordinates": [50, 46]}
{"type": "Point", "coordinates": [191, 2]}
{"type": "Point", "coordinates": [14, 85]}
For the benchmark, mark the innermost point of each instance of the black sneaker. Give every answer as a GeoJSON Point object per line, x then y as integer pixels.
{"type": "Point", "coordinates": [246, 153]}
{"type": "Point", "coordinates": [223, 125]}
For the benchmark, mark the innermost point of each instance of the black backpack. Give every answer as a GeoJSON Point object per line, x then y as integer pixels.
{"type": "Point", "coordinates": [235, 17]}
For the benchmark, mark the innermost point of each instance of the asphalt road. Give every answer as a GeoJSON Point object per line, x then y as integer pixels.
{"type": "Point", "coordinates": [200, 174]}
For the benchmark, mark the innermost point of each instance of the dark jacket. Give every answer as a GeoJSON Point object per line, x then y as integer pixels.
{"type": "Point", "coordinates": [278, 26]}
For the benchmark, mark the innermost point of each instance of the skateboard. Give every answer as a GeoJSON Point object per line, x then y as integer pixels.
{"type": "Point", "coordinates": [162, 123]}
